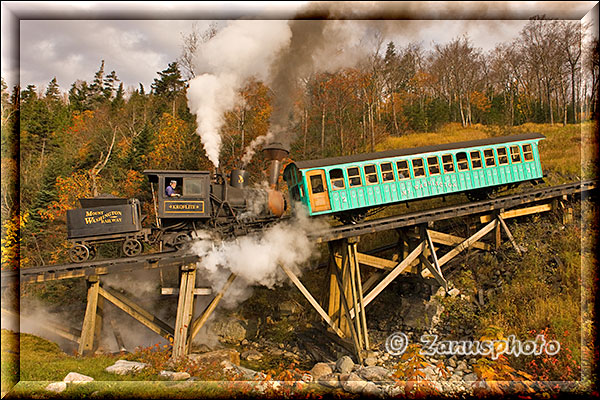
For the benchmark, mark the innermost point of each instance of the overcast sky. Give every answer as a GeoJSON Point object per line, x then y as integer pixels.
{"type": "Point", "coordinates": [68, 40]}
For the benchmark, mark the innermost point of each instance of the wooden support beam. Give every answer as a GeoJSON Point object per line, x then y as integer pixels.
{"type": "Point", "coordinates": [335, 262]}
{"type": "Point", "coordinates": [197, 291]}
{"type": "Point", "coordinates": [117, 334]}
{"type": "Point", "coordinates": [374, 261]}
{"type": "Point", "coordinates": [201, 320]}
{"type": "Point", "coordinates": [518, 212]}
{"type": "Point", "coordinates": [311, 300]}
{"type": "Point", "coordinates": [348, 320]}
{"type": "Point", "coordinates": [88, 330]}
{"type": "Point", "coordinates": [433, 271]}
{"type": "Point", "coordinates": [361, 300]}
{"type": "Point", "coordinates": [369, 283]}
{"type": "Point", "coordinates": [138, 313]}
{"type": "Point", "coordinates": [352, 270]}
{"type": "Point", "coordinates": [185, 312]}
{"type": "Point", "coordinates": [510, 236]}
{"type": "Point", "coordinates": [452, 240]}
{"type": "Point", "coordinates": [392, 275]}
{"type": "Point", "coordinates": [466, 243]}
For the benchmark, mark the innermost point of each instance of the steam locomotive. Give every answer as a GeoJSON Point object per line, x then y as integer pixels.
{"type": "Point", "coordinates": [200, 201]}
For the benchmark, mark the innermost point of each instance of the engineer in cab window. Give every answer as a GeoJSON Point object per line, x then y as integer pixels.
{"type": "Point", "coordinates": [170, 190]}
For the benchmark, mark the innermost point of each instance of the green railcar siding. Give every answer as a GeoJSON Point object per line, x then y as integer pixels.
{"type": "Point", "coordinates": [385, 193]}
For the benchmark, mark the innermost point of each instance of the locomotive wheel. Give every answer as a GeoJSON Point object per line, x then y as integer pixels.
{"type": "Point", "coordinates": [180, 240]}
{"type": "Point", "coordinates": [79, 253]}
{"type": "Point", "coordinates": [132, 247]}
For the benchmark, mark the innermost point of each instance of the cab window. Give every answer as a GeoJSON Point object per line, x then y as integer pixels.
{"type": "Point", "coordinates": [502, 156]}
{"type": "Point", "coordinates": [434, 165]}
{"type": "Point", "coordinates": [490, 161]}
{"type": "Point", "coordinates": [403, 171]}
{"type": "Point", "coordinates": [168, 189]}
{"type": "Point", "coordinates": [527, 152]}
{"type": "Point", "coordinates": [354, 177]}
{"type": "Point", "coordinates": [476, 159]}
{"type": "Point", "coordinates": [515, 154]}
{"type": "Point", "coordinates": [387, 173]}
{"type": "Point", "coordinates": [462, 161]}
{"type": "Point", "coordinates": [193, 186]}
{"type": "Point", "coordinates": [371, 175]}
{"type": "Point", "coordinates": [418, 167]}
{"type": "Point", "coordinates": [447, 163]}
{"type": "Point", "coordinates": [336, 176]}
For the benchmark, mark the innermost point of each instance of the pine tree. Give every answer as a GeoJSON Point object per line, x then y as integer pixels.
{"type": "Point", "coordinates": [109, 84]}
{"type": "Point", "coordinates": [53, 91]}
{"type": "Point", "coordinates": [170, 82]}
{"type": "Point", "coordinates": [96, 89]}
{"type": "Point", "coordinates": [119, 97]}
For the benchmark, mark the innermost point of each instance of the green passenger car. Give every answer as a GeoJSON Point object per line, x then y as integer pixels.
{"type": "Point", "coordinates": [351, 185]}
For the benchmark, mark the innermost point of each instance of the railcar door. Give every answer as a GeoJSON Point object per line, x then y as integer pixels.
{"type": "Point", "coordinates": [317, 190]}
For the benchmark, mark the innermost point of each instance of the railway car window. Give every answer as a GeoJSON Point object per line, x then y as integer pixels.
{"type": "Point", "coordinates": [418, 167]}
{"type": "Point", "coordinates": [403, 172]}
{"type": "Point", "coordinates": [192, 186]}
{"type": "Point", "coordinates": [371, 175]}
{"type": "Point", "coordinates": [462, 161]}
{"type": "Point", "coordinates": [434, 165]}
{"type": "Point", "coordinates": [354, 176]}
{"type": "Point", "coordinates": [490, 161]}
{"type": "Point", "coordinates": [447, 163]}
{"type": "Point", "coordinates": [527, 152]}
{"type": "Point", "coordinates": [476, 159]}
{"type": "Point", "coordinates": [336, 176]}
{"type": "Point", "coordinates": [515, 154]}
{"type": "Point", "coordinates": [502, 156]}
{"type": "Point", "coordinates": [316, 183]}
{"type": "Point", "coordinates": [387, 173]}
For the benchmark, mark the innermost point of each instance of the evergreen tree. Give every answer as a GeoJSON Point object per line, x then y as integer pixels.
{"type": "Point", "coordinates": [96, 88]}
{"type": "Point", "coordinates": [79, 96]}
{"type": "Point", "coordinates": [169, 83]}
{"type": "Point", "coordinates": [109, 84]}
{"type": "Point", "coordinates": [53, 91]}
{"type": "Point", "coordinates": [119, 100]}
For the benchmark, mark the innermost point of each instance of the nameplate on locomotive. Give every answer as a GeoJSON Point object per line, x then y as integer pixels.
{"type": "Point", "coordinates": [184, 206]}
{"type": "Point", "coordinates": [102, 217]}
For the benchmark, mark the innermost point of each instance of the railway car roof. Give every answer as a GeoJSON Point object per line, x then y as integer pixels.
{"type": "Point", "coordinates": [324, 162]}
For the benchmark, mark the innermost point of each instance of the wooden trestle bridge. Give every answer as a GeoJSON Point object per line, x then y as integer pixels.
{"type": "Point", "coordinates": [418, 249]}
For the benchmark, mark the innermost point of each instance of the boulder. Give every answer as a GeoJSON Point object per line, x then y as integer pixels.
{"type": "Point", "coordinates": [470, 377]}
{"type": "Point", "coordinates": [352, 383]}
{"type": "Point", "coordinates": [371, 390]}
{"type": "Point", "coordinates": [216, 357]}
{"type": "Point", "coordinates": [344, 365]}
{"type": "Point", "coordinates": [180, 376]}
{"type": "Point", "coordinates": [230, 330]}
{"type": "Point", "coordinates": [374, 373]}
{"type": "Point", "coordinates": [330, 380]}
{"type": "Point", "coordinates": [288, 308]}
{"type": "Point", "coordinates": [57, 387]}
{"type": "Point", "coordinates": [319, 370]}
{"type": "Point", "coordinates": [124, 367]}
{"type": "Point", "coordinates": [252, 355]}
{"type": "Point", "coordinates": [74, 377]}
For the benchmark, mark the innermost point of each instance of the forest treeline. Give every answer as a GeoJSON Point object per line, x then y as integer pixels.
{"type": "Point", "coordinates": [60, 144]}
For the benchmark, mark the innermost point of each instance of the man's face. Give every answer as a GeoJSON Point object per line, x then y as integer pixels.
{"type": "Point", "coordinates": [173, 184]}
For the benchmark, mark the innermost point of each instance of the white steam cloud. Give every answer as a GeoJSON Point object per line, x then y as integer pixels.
{"type": "Point", "coordinates": [242, 50]}
{"type": "Point", "coordinates": [255, 258]}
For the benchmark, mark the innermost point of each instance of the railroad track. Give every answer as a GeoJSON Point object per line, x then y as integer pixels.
{"type": "Point", "coordinates": [176, 258]}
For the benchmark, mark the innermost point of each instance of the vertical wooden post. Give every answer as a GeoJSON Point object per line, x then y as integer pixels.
{"type": "Point", "coordinates": [360, 300]}
{"type": "Point", "coordinates": [335, 267]}
{"type": "Point", "coordinates": [92, 322]}
{"type": "Point", "coordinates": [185, 310]}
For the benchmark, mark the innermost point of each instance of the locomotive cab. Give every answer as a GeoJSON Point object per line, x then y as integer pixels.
{"type": "Point", "coordinates": [191, 199]}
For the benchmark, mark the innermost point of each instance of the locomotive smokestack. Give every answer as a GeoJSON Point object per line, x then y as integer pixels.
{"type": "Point", "coordinates": [275, 152]}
